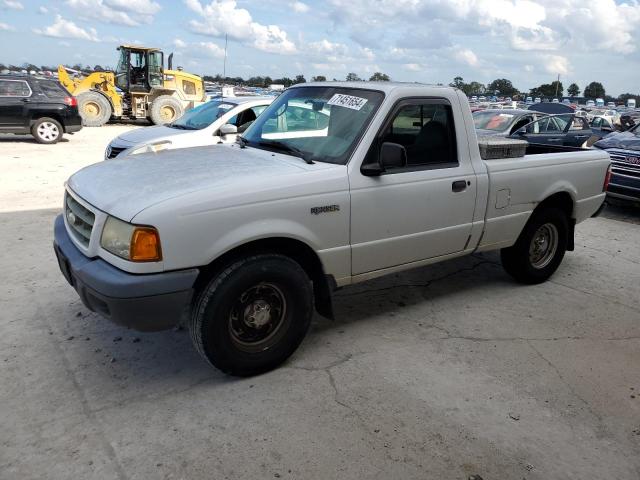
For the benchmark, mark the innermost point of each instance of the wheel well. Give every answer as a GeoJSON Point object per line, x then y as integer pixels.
{"type": "Point", "coordinates": [53, 116]}
{"type": "Point", "coordinates": [299, 251]}
{"type": "Point", "coordinates": [564, 202]}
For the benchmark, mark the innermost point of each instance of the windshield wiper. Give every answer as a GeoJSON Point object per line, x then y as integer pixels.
{"type": "Point", "coordinates": [180, 127]}
{"type": "Point", "coordinates": [287, 148]}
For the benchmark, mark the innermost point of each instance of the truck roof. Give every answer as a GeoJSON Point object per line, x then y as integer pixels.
{"type": "Point", "coordinates": [380, 86]}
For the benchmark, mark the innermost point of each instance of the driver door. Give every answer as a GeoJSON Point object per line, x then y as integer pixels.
{"type": "Point", "coordinates": [423, 209]}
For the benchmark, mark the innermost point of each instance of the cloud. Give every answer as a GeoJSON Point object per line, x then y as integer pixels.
{"type": "Point", "coordinates": [141, 7]}
{"type": "Point", "coordinates": [199, 49]}
{"type": "Point", "coordinates": [209, 49]}
{"type": "Point", "coordinates": [43, 10]}
{"type": "Point", "coordinates": [12, 5]}
{"type": "Point", "coordinates": [222, 17]}
{"type": "Point", "coordinates": [299, 7]}
{"type": "Point", "coordinates": [413, 67]}
{"type": "Point", "coordinates": [130, 13]}
{"type": "Point", "coordinates": [556, 64]}
{"type": "Point", "coordinates": [466, 56]}
{"type": "Point", "coordinates": [6, 27]}
{"type": "Point", "coordinates": [179, 43]}
{"type": "Point", "coordinates": [62, 28]}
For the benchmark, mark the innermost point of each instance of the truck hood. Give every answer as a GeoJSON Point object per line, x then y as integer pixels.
{"type": "Point", "coordinates": [123, 188]}
{"type": "Point", "coordinates": [622, 140]}
{"type": "Point", "coordinates": [145, 135]}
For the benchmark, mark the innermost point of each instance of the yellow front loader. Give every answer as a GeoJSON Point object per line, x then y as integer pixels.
{"type": "Point", "coordinates": [140, 87]}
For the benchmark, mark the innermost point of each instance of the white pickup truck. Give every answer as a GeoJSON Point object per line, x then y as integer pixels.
{"type": "Point", "coordinates": [247, 239]}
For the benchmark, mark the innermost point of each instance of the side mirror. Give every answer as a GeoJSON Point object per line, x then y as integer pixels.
{"type": "Point", "coordinates": [391, 155]}
{"type": "Point", "coordinates": [228, 129]}
{"type": "Point", "coordinates": [606, 129]}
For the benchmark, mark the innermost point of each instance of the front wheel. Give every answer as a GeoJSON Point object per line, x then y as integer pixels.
{"type": "Point", "coordinates": [253, 315]}
{"type": "Point", "coordinates": [539, 249]}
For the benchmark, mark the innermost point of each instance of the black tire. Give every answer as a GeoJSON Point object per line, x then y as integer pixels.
{"type": "Point", "coordinates": [46, 130]}
{"type": "Point", "coordinates": [223, 322]}
{"type": "Point", "coordinates": [94, 109]}
{"type": "Point", "coordinates": [520, 262]}
{"type": "Point", "coordinates": [165, 109]}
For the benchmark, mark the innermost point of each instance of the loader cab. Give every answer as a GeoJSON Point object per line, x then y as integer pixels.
{"type": "Point", "coordinates": [139, 69]}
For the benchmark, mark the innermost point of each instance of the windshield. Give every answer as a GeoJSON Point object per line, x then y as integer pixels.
{"type": "Point", "coordinates": [202, 116]}
{"type": "Point", "coordinates": [497, 122]}
{"type": "Point", "coordinates": [318, 123]}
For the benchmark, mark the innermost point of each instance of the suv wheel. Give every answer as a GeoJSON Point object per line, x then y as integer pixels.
{"type": "Point", "coordinates": [253, 315]}
{"type": "Point", "coordinates": [46, 130]}
{"type": "Point", "coordinates": [539, 249]}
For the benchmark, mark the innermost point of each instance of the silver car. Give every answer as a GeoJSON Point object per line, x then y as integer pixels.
{"type": "Point", "coordinates": [217, 121]}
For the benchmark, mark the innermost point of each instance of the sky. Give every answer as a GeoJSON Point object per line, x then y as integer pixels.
{"type": "Point", "coordinates": [430, 41]}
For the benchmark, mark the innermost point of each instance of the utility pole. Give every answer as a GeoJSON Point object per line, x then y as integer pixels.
{"type": "Point", "coordinates": [224, 67]}
{"type": "Point", "coordinates": [557, 85]}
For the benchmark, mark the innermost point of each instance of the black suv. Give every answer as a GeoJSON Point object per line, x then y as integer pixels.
{"type": "Point", "coordinates": [39, 106]}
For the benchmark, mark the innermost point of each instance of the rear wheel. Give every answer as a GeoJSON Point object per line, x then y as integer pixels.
{"type": "Point", "coordinates": [253, 315]}
{"type": "Point", "coordinates": [165, 109]}
{"type": "Point", "coordinates": [540, 247]}
{"type": "Point", "coordinates": [94, 109]}
{"type": "Point", "coordinates": [46, 130]}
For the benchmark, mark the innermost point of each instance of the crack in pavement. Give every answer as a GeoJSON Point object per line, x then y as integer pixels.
{"type": "Point", "coordinates": [571, 389]}
{"type": "Point", "coordinates": [603, 297]}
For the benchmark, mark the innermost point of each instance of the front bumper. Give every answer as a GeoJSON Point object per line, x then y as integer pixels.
{"type": "Point", "coordinates": [148, 302]}
{"type": "Point", "coordinates": [626, 187]}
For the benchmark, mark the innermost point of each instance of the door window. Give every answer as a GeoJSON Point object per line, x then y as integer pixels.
{"type": "Point", "coordinates": [14, 88]}
{"type": "Point", "coordinates": [427, 133]}
{"type": "Point", "coordinates": [155, 69]}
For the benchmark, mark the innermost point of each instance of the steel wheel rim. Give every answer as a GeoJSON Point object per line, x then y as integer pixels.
{"type": "Point", "coordinates": [91, 109]}
{"type": "Point", "coordinates": [167, 113]}
{"type": "Point", "coordinates": [48, 131]}
{"type": "Point", "coordinates": [544, 245]}
{"type": "Point", "coordinates": [257, 316]}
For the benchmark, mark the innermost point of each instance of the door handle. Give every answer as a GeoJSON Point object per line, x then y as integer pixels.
{"type": "Point", "coordinates": [26, 100]}
{"type": "Point", "coordinates": [459, 185]}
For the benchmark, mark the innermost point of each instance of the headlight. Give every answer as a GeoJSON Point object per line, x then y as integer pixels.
{"type": "Point", "coordinates": [131, 242]}
{"type": "Point", "coordinates": [151, 148]}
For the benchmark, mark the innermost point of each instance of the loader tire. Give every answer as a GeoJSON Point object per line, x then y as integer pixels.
{"type": "Point", "coordinates": [165, 109]}
{"type": "Point", "coordinates": [94, 109]}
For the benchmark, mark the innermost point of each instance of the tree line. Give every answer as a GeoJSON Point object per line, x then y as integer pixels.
{"type": "Point", "coordinates": [505, 88]}
{"type": "Point", "coordinates": [264, 82]}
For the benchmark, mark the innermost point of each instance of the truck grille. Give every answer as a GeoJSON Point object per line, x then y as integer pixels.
{"type": "Point", "coordinates": [79, 219]}
{"type": "Point", "coordinates": [113, 152]}
{"type": "Point", "coordinates": [628, 165]}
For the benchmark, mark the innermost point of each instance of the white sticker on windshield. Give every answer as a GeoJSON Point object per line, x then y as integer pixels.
{"type": "Point", "coordinates": [348, 101]}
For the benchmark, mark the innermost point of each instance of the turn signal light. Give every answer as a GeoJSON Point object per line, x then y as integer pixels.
{"type": "Point", "coordinates": [607, 179]}
{"type": "Point", "coordinates": [145, 245]}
